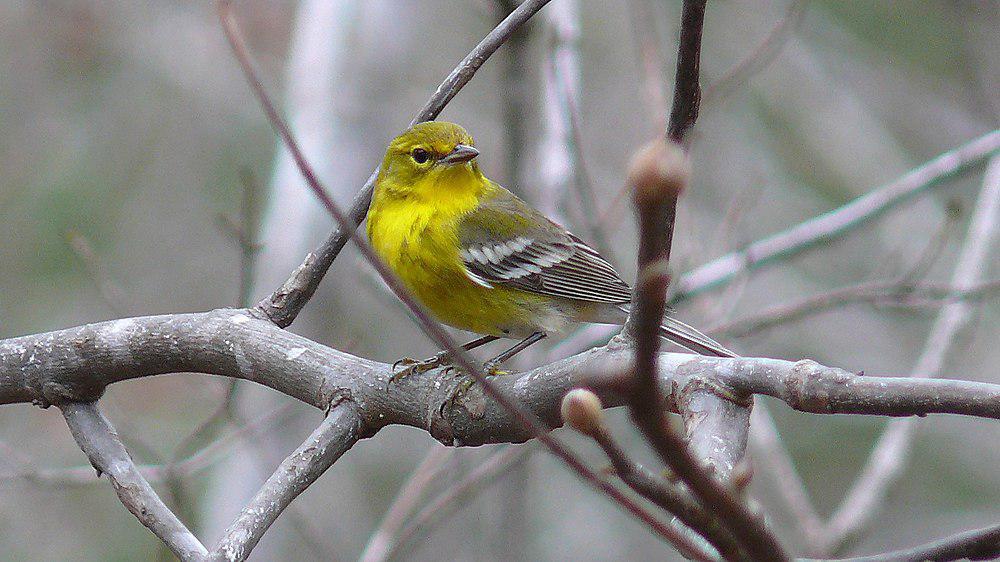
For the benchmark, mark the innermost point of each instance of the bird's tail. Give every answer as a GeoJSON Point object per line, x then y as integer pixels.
{"type": "Point", "coordinates": [690, 338]}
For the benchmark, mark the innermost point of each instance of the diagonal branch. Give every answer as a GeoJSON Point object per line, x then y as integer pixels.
{"type": "Point", "coordinates": [338, 432]}
{"type": "Point", "coordinates": [98, 440]}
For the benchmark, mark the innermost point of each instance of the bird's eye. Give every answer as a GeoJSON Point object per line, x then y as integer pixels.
{"type": "Point", "coordinates": [420, 155]}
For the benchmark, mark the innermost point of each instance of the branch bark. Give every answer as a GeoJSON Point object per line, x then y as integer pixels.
{"type": "Point", "coordinates": [76, 363]}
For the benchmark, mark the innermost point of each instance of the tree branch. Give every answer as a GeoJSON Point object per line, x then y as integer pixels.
{"type": "Point", "coordinates": [978, 544]}
{"type": "Point", "coordinates": [75, 363]}
{"type": "Point", "coordinates": [98, 440]}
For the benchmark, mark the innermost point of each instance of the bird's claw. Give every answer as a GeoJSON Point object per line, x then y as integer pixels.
{"type": "Point", "coordinates": [414, 367]}
{"type": "Point", "coordinates": [490, 369]}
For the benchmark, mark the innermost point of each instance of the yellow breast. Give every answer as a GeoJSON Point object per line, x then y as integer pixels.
{"type": "Point", "coordinates": [420, 244]}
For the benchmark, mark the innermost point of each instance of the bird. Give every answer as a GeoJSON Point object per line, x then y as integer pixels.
{"type": "Point", "coordinates": [482, 260]}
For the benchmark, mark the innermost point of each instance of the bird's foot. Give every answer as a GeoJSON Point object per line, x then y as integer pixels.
{"type": "Point", "coordinates": [408, 366]}
{"type": "Point", "coordinates": [490, 369]}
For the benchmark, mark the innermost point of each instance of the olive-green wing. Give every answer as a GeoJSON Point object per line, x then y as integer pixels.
{"type": "Point", "coordinates": [506, 242]}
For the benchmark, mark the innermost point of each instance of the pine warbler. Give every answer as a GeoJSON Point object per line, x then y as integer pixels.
{"type": "Point", "coordinates": [482, 260]}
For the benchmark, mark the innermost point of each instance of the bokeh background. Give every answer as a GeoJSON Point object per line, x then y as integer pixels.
{"type": "Point", "coordinates": [127, 133]}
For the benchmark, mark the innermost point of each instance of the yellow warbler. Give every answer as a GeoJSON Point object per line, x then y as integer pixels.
{"type": "Point", "coordinates": [482, 260]}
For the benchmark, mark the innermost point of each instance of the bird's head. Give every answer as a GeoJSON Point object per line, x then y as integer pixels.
{"type": "Point", "coordinates": [430, 158]}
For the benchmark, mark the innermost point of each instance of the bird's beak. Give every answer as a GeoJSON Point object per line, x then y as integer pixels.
{"type": "Point", "coordinates": [461, 154]}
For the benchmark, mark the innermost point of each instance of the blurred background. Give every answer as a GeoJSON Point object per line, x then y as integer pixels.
{"type": "Point", "coordinates": [131, 151]}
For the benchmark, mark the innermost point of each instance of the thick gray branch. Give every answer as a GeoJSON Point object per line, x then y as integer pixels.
{"type": "Point", "coordinates": [76, 364]}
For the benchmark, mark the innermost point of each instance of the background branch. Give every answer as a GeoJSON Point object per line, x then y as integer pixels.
{"type": "Point", "coordinates": [829, 225]}
{"type": "Point", "coordinates": [337, 433]}
{"type": "Point", "coordinates": [889, 454]}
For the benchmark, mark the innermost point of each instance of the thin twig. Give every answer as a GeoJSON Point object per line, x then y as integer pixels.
{"type": "Point", "coordinates": [827, 226]}
{"type": "Point", "coordinates": [381, 540]}
{"type": "Point", "coordinates": [109, 290]}
{"type": "Point", "coordinates": [775, 462]}
{"type": "Point", "coordinates": [890, 293]}
{"type": "Point", "coordinates": [582, 410]}
{"type": "Point", "coordinates": [890, 452]}
{"type": "Point", "coordinates": [98, 440]}
{"type": "Point", "coordinates": [449, 501]}
{"type": "Point", "coordinates": [197, 461]}
{"type": "Point", "coordinates": [658, 175]}
{"type": "Point", "coordinates": [687, 88]}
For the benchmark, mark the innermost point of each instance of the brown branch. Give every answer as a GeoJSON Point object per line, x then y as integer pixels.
{"type": "Point", "coordinates": [287, 301]}
{"type": "Point", "coordinates": [98, 440]}
{"type": "Point", "coordinates": [658, 175]}
{"type": "Point", "coordinates": [687, 90]}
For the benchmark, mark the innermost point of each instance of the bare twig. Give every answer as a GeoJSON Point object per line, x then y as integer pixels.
{"type": "Point", "coordinates": [687, 89]}
{"type": "Point", "coordinates": [287, 301]}
{"type": "Point", "coordinates": [648, 53]}
{"type": "Point", "coordinates": [889, 455]}
{"type": "Point", "coordinates": [978, 544]}
{"type": "Point", "coordinates": [829, 225]}
{"type": "Point", "coordinates": [334, 436]}
{"type": "Point", "coordinates": [110, 291]}
{"type": "Point", "coordinates": [774, 461]}
{"type": "Point", "coordinates": [201, 459]}
{"type": "Point", "coordinates": [98, 440]}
